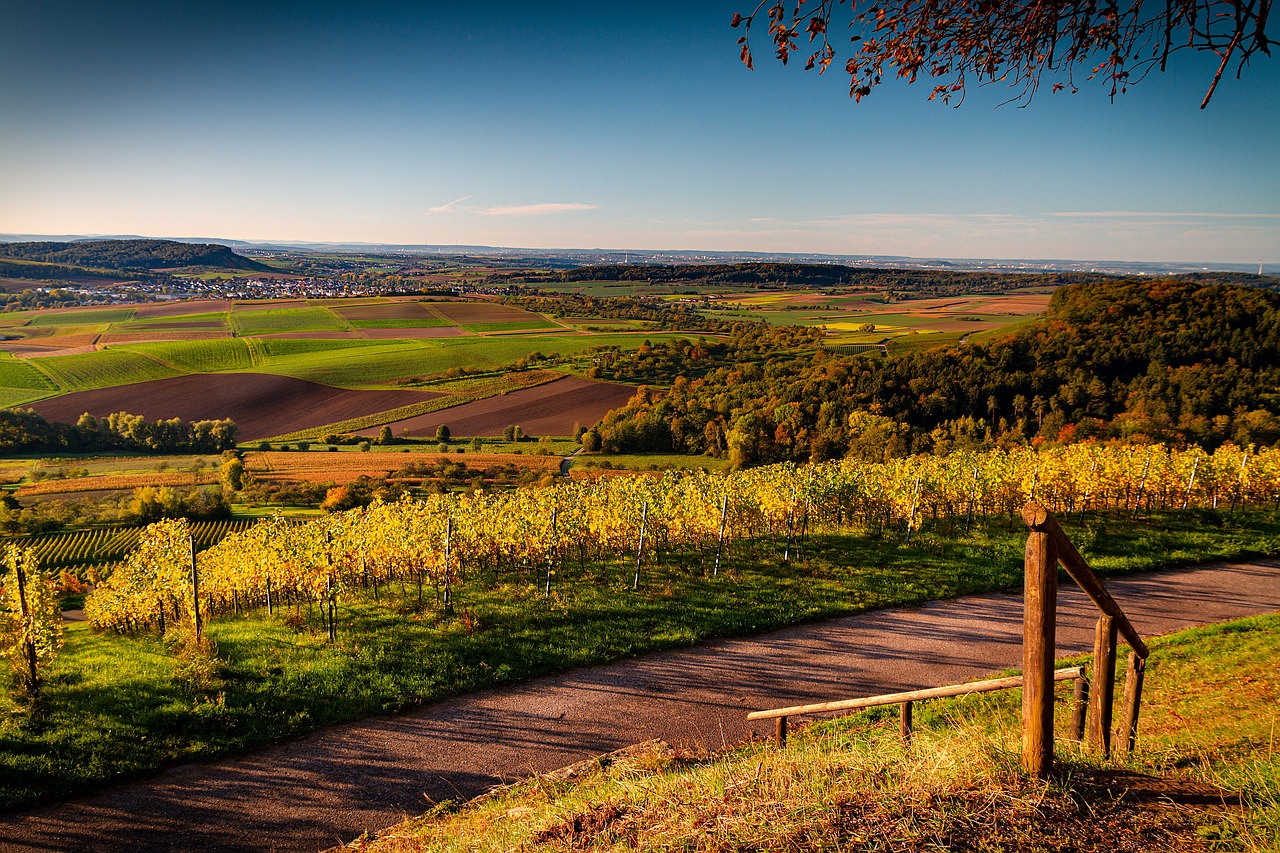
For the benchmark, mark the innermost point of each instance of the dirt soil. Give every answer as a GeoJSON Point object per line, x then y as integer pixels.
{"type": "Point", "coordinates": [261, 404]}
{"type": "Point", "coordinates": [548, 409]}
{"type": "Point", "coordinates": [330, 786]}
{"type": "Point", "coordinates": [182, 308]}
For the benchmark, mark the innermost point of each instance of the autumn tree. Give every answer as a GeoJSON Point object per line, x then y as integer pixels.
{"type": "Point", "coordinates": [958, 42]}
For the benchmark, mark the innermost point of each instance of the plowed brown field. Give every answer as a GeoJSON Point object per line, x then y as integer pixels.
{"type": "Point", "coordinates": [388, 311]}
{"type": "Point", "coordinates": [410, 334]}
{"type": "Point", "coordinates": [549, 409]}
{"type": "Point", "coordinates": [181, 309]}
{"type": "Point", "coordinates": [482, 312]}
{"type": "Point", "coordinates": [261, 404]}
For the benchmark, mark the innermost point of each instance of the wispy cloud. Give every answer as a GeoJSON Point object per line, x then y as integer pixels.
{"type": "Point", "coordinates": [432, 211]}
{"type": "Point", "coordinates": [1153, 214]}
{"type": "Point", "coordinates": [543, 209]}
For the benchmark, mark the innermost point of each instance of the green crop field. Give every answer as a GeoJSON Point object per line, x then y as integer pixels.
{"type": "Point", "coordinates": [18, 373]}
{"type": "Point", "coordinates": [103, 369]}
{"type": "Point", "coordinates": [199, 356]}
{"type": "Point", "coordinates": [278, 348]}
{"type": "Point", "coordinates": [374, 363]}
{"type": "Point", "coordinates": [271, 320]}
{"type": "Point", "coordinates": [11, 398]}
{"type": "Point", "coordinates": [146, 323]}
{"type": "Point", "coordinates": [83, 318]}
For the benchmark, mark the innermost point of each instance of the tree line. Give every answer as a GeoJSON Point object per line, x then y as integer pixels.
{"type": "Point", "coordinates": [1173, 361]}
{"type": "Point", "coordinates": [25, 430]}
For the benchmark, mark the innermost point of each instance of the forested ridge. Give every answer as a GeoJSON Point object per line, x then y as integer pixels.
{"type": "Point", "coordinates": [772, 275]}
{"type": "Point", "coordinates": [131, 254]}
{"type": "Point", "coordinates": [1172, 361]}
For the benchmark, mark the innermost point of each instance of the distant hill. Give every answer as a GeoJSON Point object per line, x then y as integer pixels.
{"type": "Point", "coordinates": [131, 255]}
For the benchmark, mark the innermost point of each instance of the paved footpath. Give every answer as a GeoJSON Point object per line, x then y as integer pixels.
{"type": "Point", "coordinates": [317, 791]}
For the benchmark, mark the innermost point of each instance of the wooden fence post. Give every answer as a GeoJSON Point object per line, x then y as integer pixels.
{"type": "Point", "coordinates": [1132, 701]}
{"type": "Point", "coordinates": [1040, 595]}
{"type": "Point", "coordinates": [1104, 685]}
{"type": "Point", "coordinates": [780, 732]}
{"type": "Point", "coordinates": [904, 722]}
{"type": "Point", "coordinates": [1079, 709]}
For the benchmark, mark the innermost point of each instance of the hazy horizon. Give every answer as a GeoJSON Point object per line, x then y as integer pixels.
{"type": "Point", "coordinates": [581, 125]}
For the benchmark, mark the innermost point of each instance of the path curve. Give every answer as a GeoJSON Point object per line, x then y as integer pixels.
{"type": "Point", "coordinates": [328, 787]}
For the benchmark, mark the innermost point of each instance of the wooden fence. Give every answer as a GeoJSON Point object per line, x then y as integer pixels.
{"type": "Point", "coordinates": [1047, 548]}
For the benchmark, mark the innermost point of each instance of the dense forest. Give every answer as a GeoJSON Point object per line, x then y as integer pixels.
{"type": "Point", "coordinates": [1172, 361]}
{"type": "Point", "coordinates": [129, 255]}
{"type": "Point", "coordinates": [24, 431]}
{"type": "Point", "coordinates": [940, 282]}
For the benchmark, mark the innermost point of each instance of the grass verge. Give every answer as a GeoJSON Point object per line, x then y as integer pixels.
{"type": "Point", "coordinates": [1194, 783]}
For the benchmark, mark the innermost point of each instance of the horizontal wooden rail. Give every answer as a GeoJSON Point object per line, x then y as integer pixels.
{"type": "Point", "coordinates": [911, 695]}
{"type": "Point", "coordinates": [1038, 519]}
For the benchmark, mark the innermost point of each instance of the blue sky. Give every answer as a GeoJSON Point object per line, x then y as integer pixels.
{"type": "Point", "coordinates": [581, 125]}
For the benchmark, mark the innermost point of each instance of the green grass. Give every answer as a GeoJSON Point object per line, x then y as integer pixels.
{"type": "Point", "coordinates": [104, 369]}
{"type": "Point", "coordinates": [273, 681]}
{"type": "Point", "coordinates": [18, 373]}
{"type": "Point", "coordinates": [265, 321]}
{"type": "Point", "coordinates": [88, 317]}
{"type": "Point", "coordinates": [198, 356]}
{"type": "Point", "coordinates": [851, 784]}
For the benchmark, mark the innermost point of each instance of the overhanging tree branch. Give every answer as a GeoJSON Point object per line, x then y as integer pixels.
{"type": "Point", "coordinates": [953, 41]}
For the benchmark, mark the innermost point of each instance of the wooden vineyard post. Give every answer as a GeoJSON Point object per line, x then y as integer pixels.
{"type": "Point", "coordinates": [551, 550]}
{"type": "Point", "coordinates": [1079, 708]}
{"type": "Point", "coordinates": [644, 516]}
{"type": "Point", "coordinates": [1132, 700]}
{"type": "Point", "coordinates": [724, 516]}
{"type": "Point", "coordinates": [780, 733]}
{"type": "Point", "coordinates": [195, 589]}
{"type": "Point", "coordinates": [329, 606]}
{"type": "Point", "coordinates": [448, 572]}
{"type": "Point", "coordinates": [1040, 595]}
{"type": "Point", "coordinates": [904, 722]}
{"type": "Point", "coordinates": [1104, 685]}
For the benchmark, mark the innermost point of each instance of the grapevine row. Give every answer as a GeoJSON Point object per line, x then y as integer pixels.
{"type": "Point", "coordinates": [441, 541]}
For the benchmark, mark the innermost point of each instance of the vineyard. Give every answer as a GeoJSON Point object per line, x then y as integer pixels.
{"type": "Point", "coordinates": [588, 531]}
{"type": "Point", "coordinates": [106, 545]}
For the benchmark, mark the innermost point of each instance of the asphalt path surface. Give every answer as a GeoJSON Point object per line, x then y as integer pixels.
{"type": "Point", "coordinates": [326, 788]}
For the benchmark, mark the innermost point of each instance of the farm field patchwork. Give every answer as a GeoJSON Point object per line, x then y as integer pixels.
{"type": "Point", "coordinates": [261, 404]}
{"type": "Point", "coordinates": [846, 315]}
{"type": "Point", "coordinates": [550, 409]}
